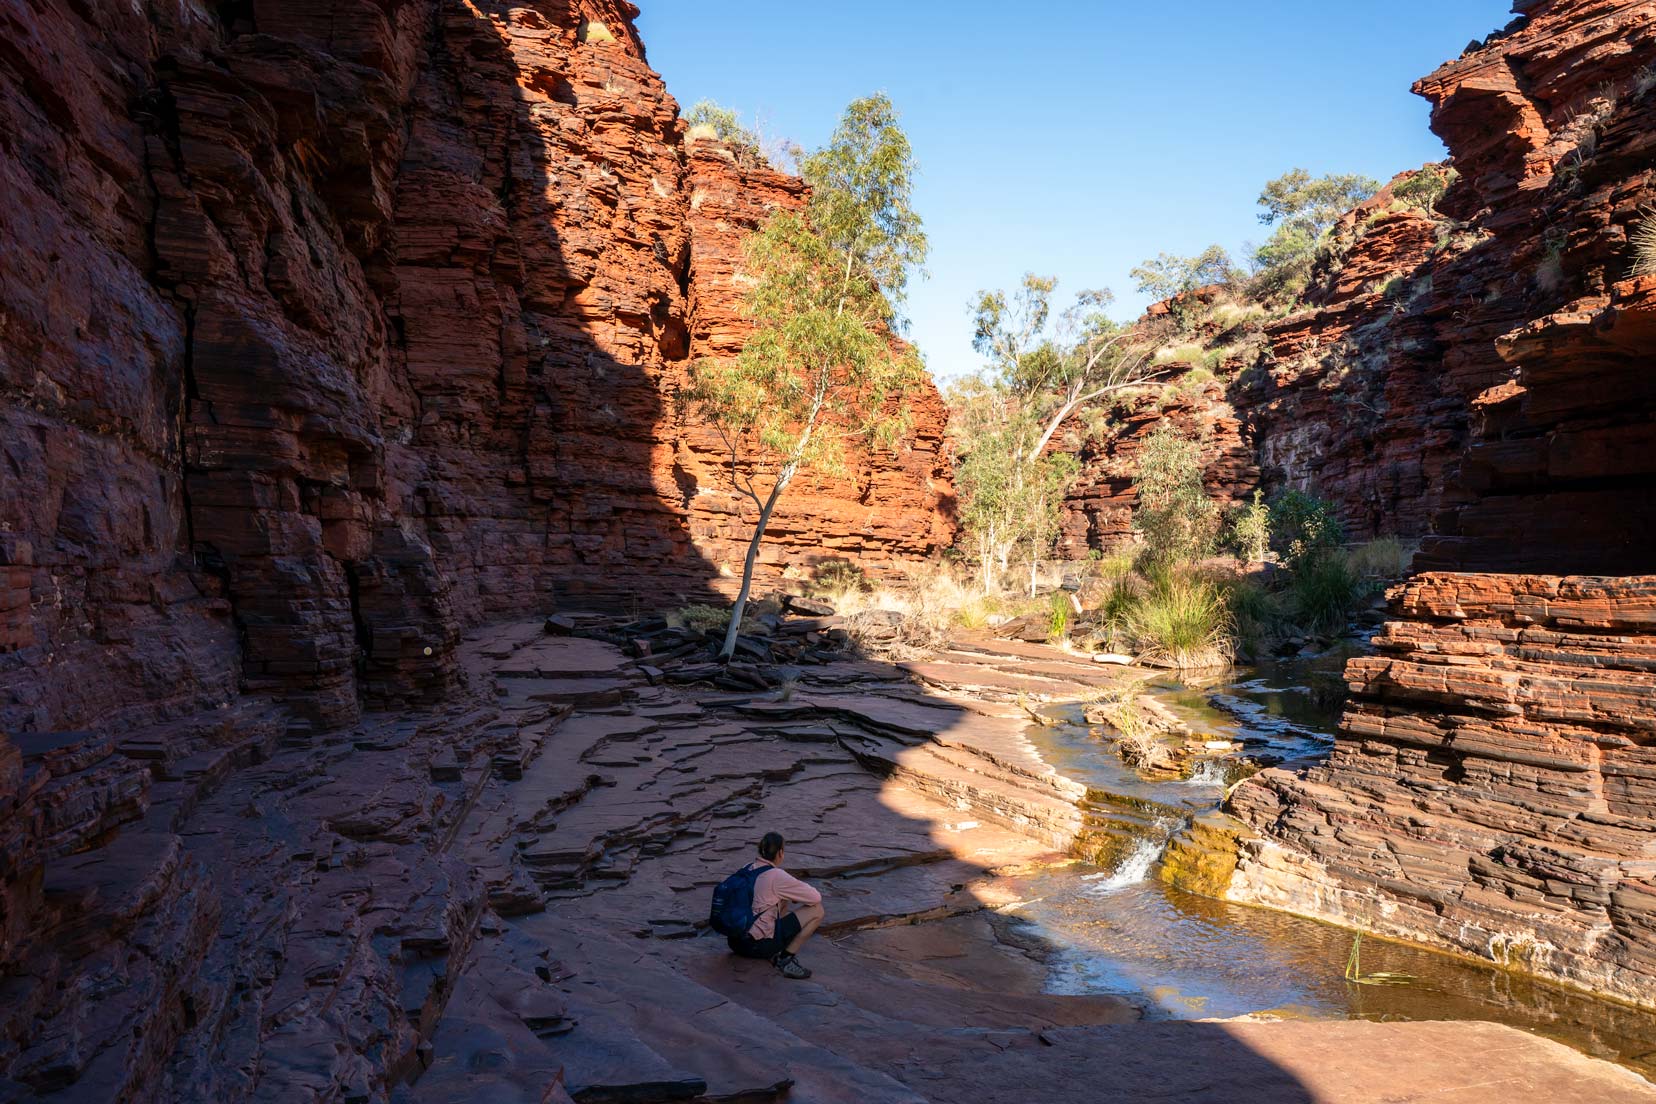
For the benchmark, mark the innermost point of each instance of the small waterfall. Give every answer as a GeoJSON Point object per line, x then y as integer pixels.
{"type": "Point", "coordinates": [1136, 865]}
{"type": "Point", "coordinates": [1209, 772]}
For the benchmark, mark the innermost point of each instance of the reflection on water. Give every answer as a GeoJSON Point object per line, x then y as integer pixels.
{"type": "Point", "coordinates": [1122, 931]}
{"type": "Point", "coordinates": [1187, 957]}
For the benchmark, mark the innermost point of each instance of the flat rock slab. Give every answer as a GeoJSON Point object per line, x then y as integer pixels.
{"type": "Point", "coordinates": [918, 814]}
{"type": "Point", "coordinates": [563, 657]}
{"type": "Point", "coordinates": [982, 677]}
{"type": "Point", "coordinates": [1290, 1062]}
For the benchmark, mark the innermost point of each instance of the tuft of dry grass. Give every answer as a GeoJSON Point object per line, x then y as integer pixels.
{"type": "Point", "coordinates": [1643, 241]}
{"type": "Point", "coordinates": [909, 618]}
{"type": "Point", "coordinates": [1385, 557]}
{"type": "Point", "coordinates": [1184, 622]}
{"type": "Point", "coordinates": [1180, 354]}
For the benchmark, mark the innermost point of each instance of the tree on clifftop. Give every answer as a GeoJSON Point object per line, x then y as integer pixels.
{"type": "Point", "coordinates": [1302, 208]}
{"type": "Point", "coordinates": [1168, 275]}
{"type": "Point", "coordinates": [820, 368]}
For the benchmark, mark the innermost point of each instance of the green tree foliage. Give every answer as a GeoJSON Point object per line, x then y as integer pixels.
{"type": "Point", "coordinates": [1315, 202]}
{"type": "Point", "coordinates": [1008, 500]}
{"type": "Point", "coordinates": [1302, 208]}
{"type": "Point", "coordinates": [1423, 189]}
{"type": "Point", "coordinates": [726, 126]}
{"type": "Point", "coordinates": [1177, 520]}
{"type": "Point", "coordinates": [1304, 528]}
{"type": "Point", "coordinates": [1250, 529]}
{"type": "Point", "coordinates": [819, 368]}
{"type": "Point", "coordinates": [1040, 370]}
{"type": "Point", "coordinates": [1167, 275]}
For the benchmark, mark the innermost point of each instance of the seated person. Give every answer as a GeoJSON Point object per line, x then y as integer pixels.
{"type": "Point", "coordinates": [787, 913]}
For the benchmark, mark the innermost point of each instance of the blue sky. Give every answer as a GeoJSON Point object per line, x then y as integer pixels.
{"type": "Point", "coordinates": [1078, 138]}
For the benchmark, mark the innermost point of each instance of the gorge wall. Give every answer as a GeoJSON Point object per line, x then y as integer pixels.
{"type": "Point", "coordinates": [1341, 394]}
{"type": "Point", "coordinates": [1491, 787]}
{"type": "Point", "coordinates": [1472, 375]}
{"type": "Point", "coordinates": [326, 330]}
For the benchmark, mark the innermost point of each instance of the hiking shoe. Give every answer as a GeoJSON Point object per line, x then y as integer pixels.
{"type": "Point", "coordinates": [790, 967]}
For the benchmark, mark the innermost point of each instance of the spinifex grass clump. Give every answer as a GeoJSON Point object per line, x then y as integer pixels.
{"type": "Point", "coordinates": [832, 581]}
{"type": "Point", "coordinates": [703, 618]}
{"type": "Point", "coordinates": [980, 611]}
{"type": "Point", "coordinates": [1384, 557]}
{"type": "Point", "coordinates": [1183, 621]}
{"type": "Point", "coordinates": [1059, 618]}
{"type": "Point", "coordinates": [1643, 241]}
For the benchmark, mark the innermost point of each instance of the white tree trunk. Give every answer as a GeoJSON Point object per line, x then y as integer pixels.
{"type": "Point", "coordinates": [735, 628]}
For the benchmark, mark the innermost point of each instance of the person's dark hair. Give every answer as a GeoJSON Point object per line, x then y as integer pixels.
{"type": "Point", "coordinates": [770, 846]}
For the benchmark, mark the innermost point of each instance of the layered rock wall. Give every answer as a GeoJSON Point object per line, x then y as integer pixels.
{"type": "Point", "coordinates": [1493, 789]}
{"type": "Point", "coordinates": [1473, 374]}
{"type": "Point", "coordinates": [331, 330]}
{"type": "Point", "coordinates": [1490, 790]}
{"type": "Point", "coordinates": [890, 509]}
{"type": "Point", "coordinates": [1343, 398]}
{"type": "Point", "coordinates": [1552, 125]}
{"type": "Point", "coordinates": [1348, 400]}
{"type": "Point", "coordinates": [326, 331]}
{"type": "Point", "coordinates": [1098, 510]}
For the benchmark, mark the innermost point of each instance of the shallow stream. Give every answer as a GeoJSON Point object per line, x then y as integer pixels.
{"type": "Point", "coordinates": [1120, 930]}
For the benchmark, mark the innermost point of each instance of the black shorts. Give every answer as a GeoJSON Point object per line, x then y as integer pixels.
{"type": "Point", "coordinates": [749, 947]}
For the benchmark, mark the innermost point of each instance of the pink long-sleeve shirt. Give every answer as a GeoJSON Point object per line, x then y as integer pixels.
{"type": "Point", "coordinates": [771, 889]}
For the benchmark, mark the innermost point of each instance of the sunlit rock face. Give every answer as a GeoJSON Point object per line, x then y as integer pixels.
{"type": "Point", "coordinates": [1474, 375]}
{"type": "Point", "coordinates": [1491, 789]}
{"type": "Point", "coordinates": [1098, 511]}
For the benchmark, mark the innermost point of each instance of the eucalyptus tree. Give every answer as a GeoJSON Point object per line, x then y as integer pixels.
{"type": "Point", "coordinates": [1302, 208]}
{"type": "Point", "coordinates": [821, 369]}
{"type": "Point", "coordinates": [1167, 275]}
{"type": "Point", "coordinates": [1041, 371]}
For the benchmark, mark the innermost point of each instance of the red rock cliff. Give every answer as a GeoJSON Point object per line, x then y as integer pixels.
{"type": "Point", "coordinates": [1490, 787]}
{"type": "Point", "coordinates": [331, 329]}
{"type": "Point", "coordinates": [326, 331]}
{"type": "Point", "coordinates": [1475, 375]}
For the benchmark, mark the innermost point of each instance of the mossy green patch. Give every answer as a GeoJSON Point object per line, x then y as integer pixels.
{"type": "Point", "coordinates": [1202, 858]}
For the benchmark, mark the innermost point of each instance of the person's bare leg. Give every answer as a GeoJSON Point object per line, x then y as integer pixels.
{"type": "Point", "coordinates": [810, 916]}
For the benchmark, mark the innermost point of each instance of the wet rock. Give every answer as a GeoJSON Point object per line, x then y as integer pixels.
{"type": "Point", "coordinates": [1202, 856]}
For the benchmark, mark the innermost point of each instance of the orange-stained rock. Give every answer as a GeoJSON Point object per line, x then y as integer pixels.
{"type": "Point", "coordinates": [329, 329]}
{"type": "Point", "coordinates": [1553, 125]}
{"type": "Point", "coordinates": [1478, 379]}
{"type": "Point", "coordinates": [897, 507]}
{"type": "Point", "coordinates": [1491, 787]}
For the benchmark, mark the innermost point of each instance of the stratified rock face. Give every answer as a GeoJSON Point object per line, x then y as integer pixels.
{"type": "Point", "coordinates": [1344, 398]}
{"type": "Point", "coordinates": [330, 329]}
{"type": "Point", "coordinates": [1491, 788]}
{"type": "Point", "coordinates": [1348, 401]}
{"type": "Point", "coordinates": [1494, 786]}
{"type": "Point", "coordinates": [1098, 512]}
{"type": "Point", "coordinates": [1477, 375]}
{"type": "Point", "coordinates": [1553, 127]}
{"type": "Point", "coordinates": [893, 508]}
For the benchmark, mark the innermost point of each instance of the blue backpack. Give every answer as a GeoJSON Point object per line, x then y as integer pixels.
{"type": "Point", "coordinates": [732, 911]}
